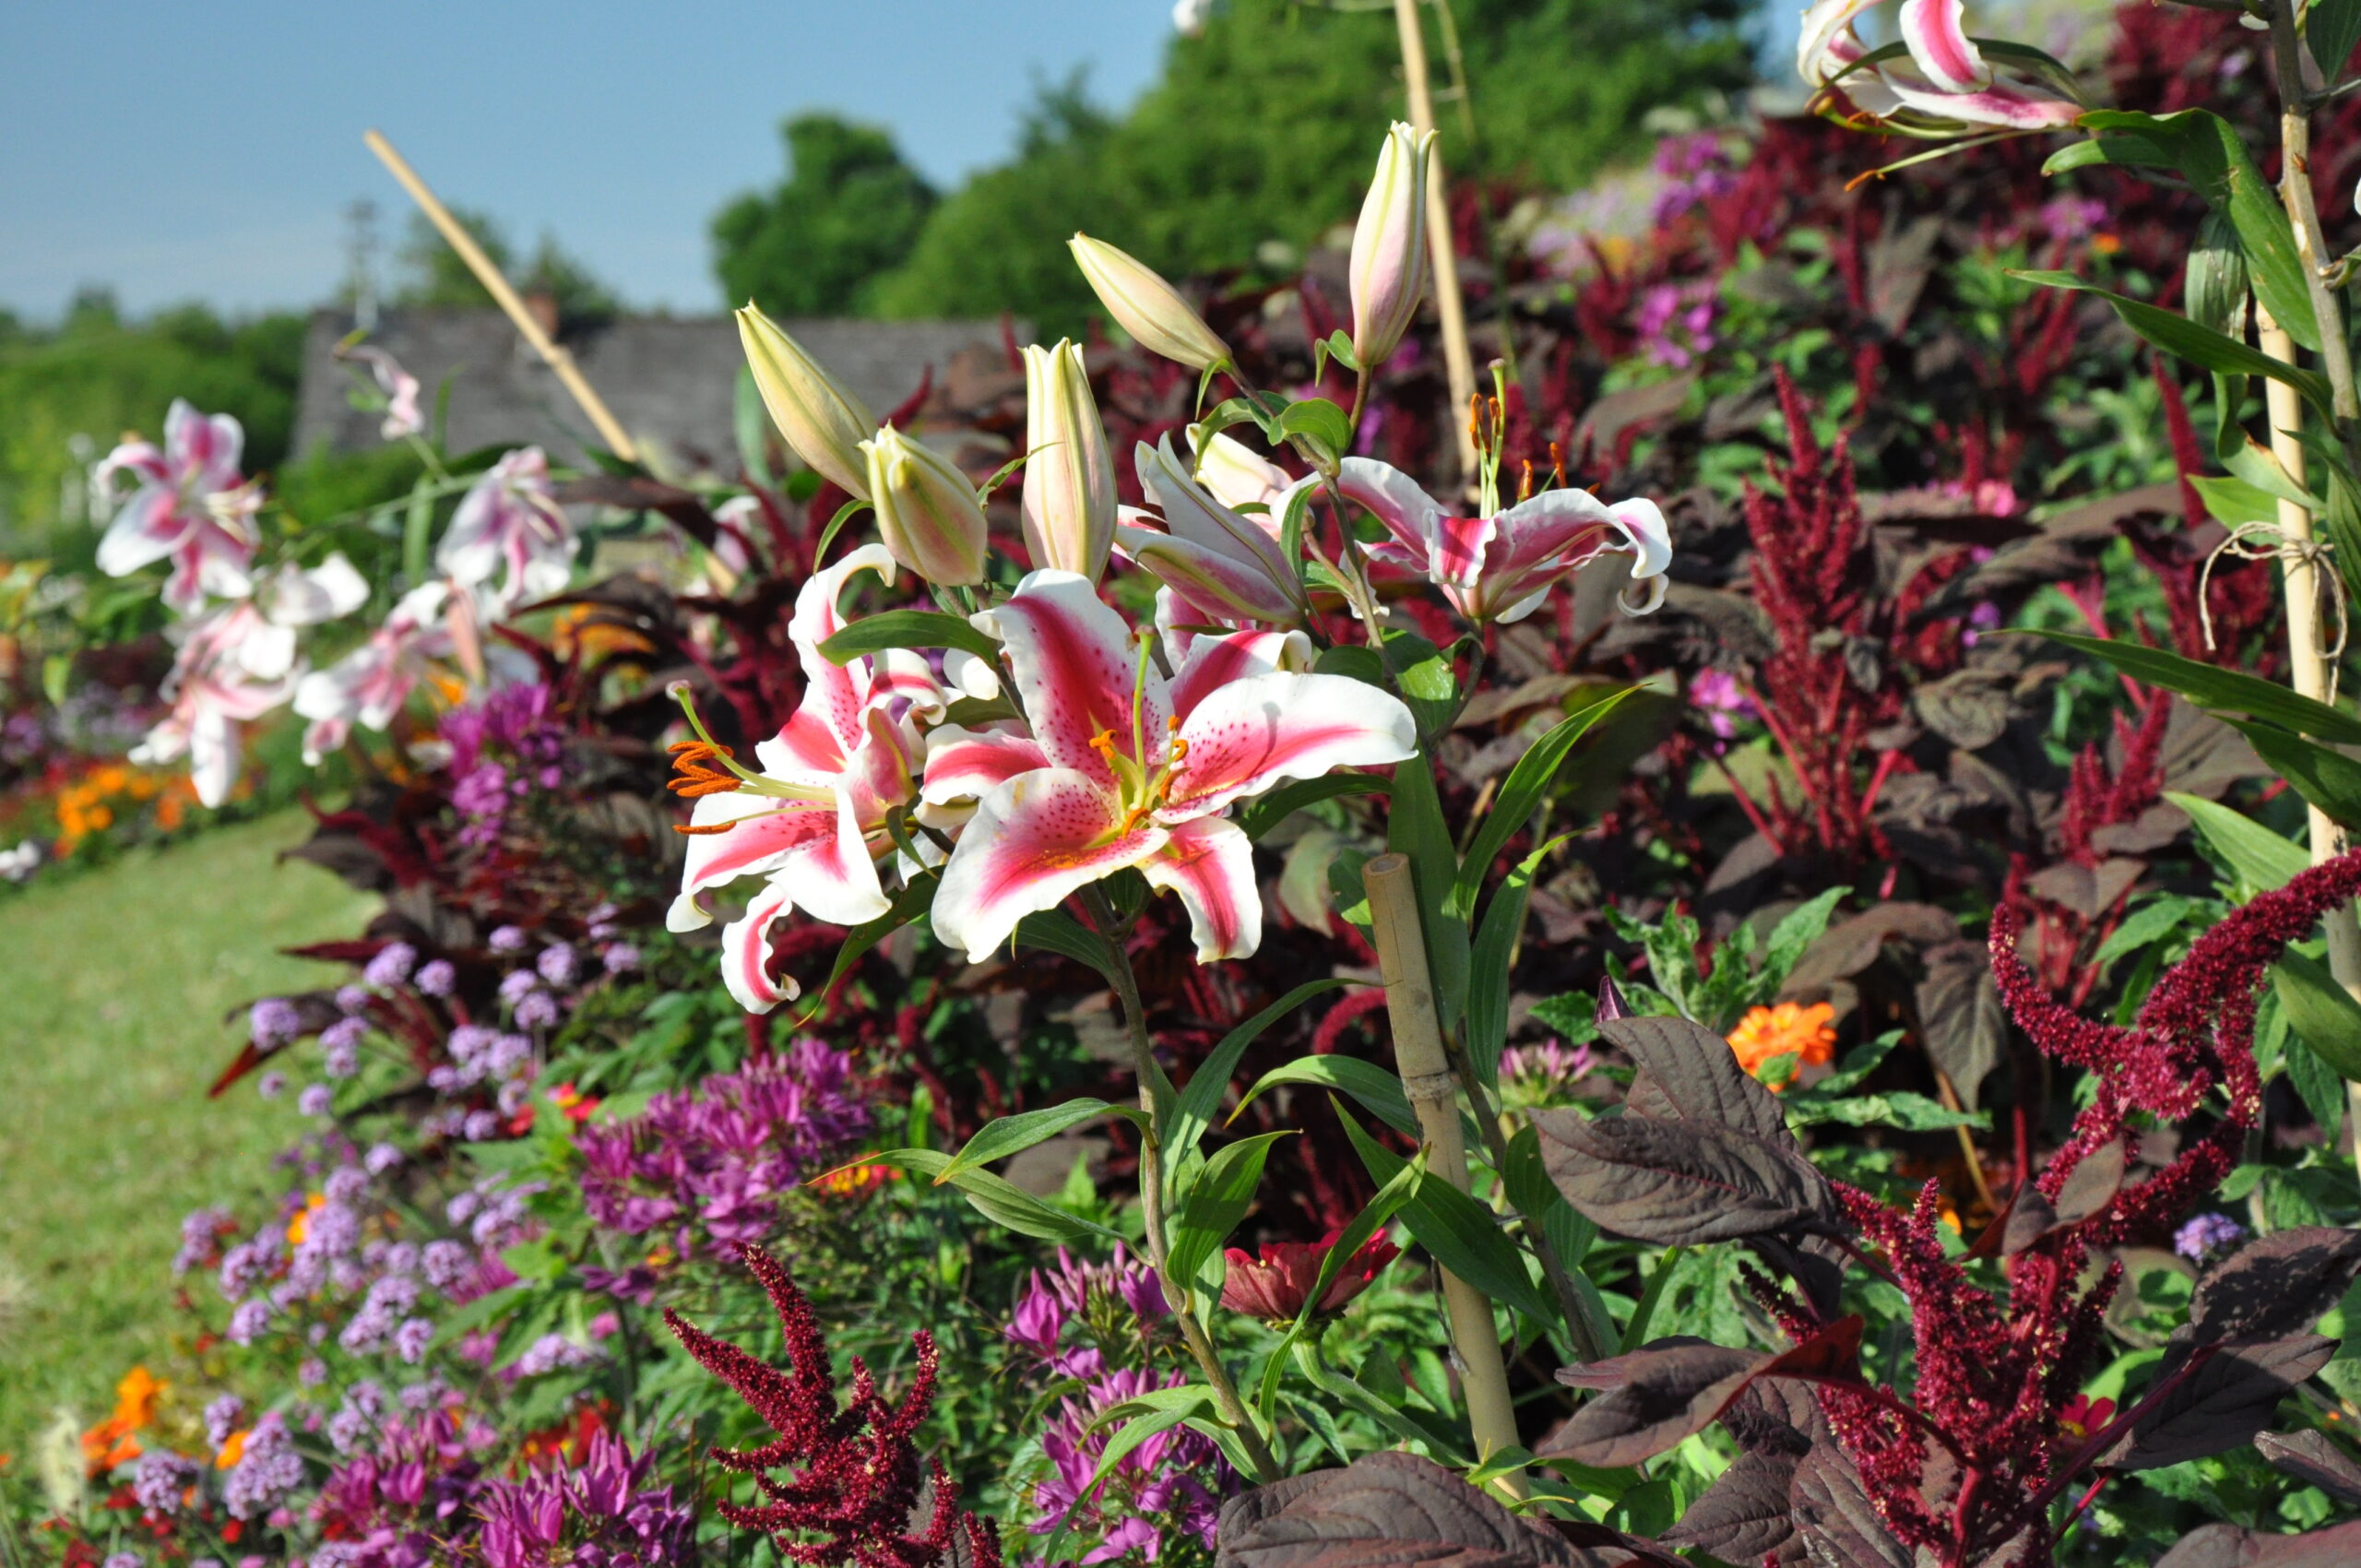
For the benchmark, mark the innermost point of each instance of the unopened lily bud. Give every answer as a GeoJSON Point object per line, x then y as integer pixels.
{"type": "Point", "coordinates": [1146, 306]}
{"type": "Point", "coordinates": [823, 422]}
{"type": "Point", "coordinates": [1069, 476]}
{"type": "Point", "coordinates": [926, 509]}
{"type": "Point", "coordinates": [1388, 271]}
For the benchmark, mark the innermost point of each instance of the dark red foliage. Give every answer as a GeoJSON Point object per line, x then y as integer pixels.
{"type": "Point", "coordinates": [1972, 1461]}
{"type": "Point", "coordinates": [854, 1472]}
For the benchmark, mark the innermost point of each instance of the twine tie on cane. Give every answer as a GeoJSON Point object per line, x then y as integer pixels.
{"type": "Point", "coordinates": [2291, 551]}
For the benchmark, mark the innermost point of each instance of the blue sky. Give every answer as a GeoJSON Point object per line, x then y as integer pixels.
{"type": "Point", "coordinates": [178, 152]}
{"type": "Point", "coordinates": [208, 152]}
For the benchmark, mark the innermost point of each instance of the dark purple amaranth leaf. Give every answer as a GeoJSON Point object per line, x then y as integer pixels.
{"type": "Point", "coordinates": [1834, 1523]}
{"type": "Point", "coordinates": [1961, 1021]}
{"type": "Point", "coordinates": [2310, 1456]}
{"type": "Point", "coordinates": [2226, 1546]}
{"type": "Point", "coordinates": [1694, 1071]}
{"type": "Point", "coordinates": [1657, 1396]}
{"type": "Point", "coordinates": [2275, 1285]}
{"type": "Point", "coordinates": [1779, 1416]}
{"type": "Point", "coordinates": [2221, 1405]}
{"type": "Point", "coordinates": [1743, 1515]}
{"type": "Point", "coordinates": [1682, 1183]}
{"type": "Point", "coordinates": [2087, 1193]}
{"type": "Point", "coordinates": [1815, 1264]}
{"type": "Point", "coordinates": [1388, 1511]}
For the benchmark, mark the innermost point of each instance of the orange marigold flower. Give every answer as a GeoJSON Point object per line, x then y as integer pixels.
{"type": "Point", "coordinates": [301, 1226]}
{"type": "Point", "coordinates": [233, 1448]}
{"type": "Point", "coordinates": [1790, 1028]}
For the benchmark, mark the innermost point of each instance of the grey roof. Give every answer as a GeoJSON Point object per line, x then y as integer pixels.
{"type": "Point", "coordinates": [671, 380]}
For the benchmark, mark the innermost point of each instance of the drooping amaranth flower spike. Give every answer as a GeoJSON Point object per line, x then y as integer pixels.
{"type": "Point", "coordinates": [853, 1470]}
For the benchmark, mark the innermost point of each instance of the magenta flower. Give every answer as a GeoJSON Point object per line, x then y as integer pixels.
{"type": "Point", "coordinates": [1124, 768]}
{"type": "Point", "coordinates": [1945, 79]}
{"type": "Point", "coordinates": [192, 507]}
{"type": "Point", "coordinates": [1501, 567]}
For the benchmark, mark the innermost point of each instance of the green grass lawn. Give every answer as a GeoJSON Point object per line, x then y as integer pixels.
{"type": "Point", "coordinates": [113, 987]}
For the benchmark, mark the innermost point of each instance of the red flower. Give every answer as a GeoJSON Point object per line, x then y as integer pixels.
{"type": "Point", "coordinates": [2084, 1415]}
{"type": "Point", "coordinates": [1276, 1283]}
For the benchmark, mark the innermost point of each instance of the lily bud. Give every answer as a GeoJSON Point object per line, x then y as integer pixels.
{"type": "Point", "coordinates": [1388, 271]}
{"type": "Point", "coordinates": [926, 509]}
{"type": "Point", "coordinates": [823, 422]}
{"type": "Point", "coordinates": [1069, 476]}
{"type": "Point", "coordinates": [1146, 306]}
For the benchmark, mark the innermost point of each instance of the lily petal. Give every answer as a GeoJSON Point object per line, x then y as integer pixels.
{"type": "Point", "coordinates": [1251, 734]}
{"type": "Point", "coordinates": [1213, 662]}
{"type": "Point", "coordinates": [1394, 498]}
{"type": "Point", "coordinates": [762, 832]}
{"type": "Point", "coordinates": [746, 953]}
{"type": "Point", "coordinates": [1076, 671]}
{"type": "Point", "coordinates": [964, 763]}
{"type": "Point", "coordinates": [1210, 863]}
{"type": "Point", "coordinates": [826, 726]}
{"type": "Point", "coordinates": [1033, 840]}
{"type": "Point", "coordinates": [146, 527]}
{"type": "Point", "coordinates": [1939, 42]}
{"type": "Point", "coordinates": [1216, 587]}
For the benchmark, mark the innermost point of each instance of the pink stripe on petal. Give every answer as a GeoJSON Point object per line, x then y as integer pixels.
{"type": "Point", "coordinates": [1213, 662]}
{"type": "Point", "coordinates": [963, 763]}
{"type": "Point", "coordinates": [145, 528]}
{"type": "Point", "coordinates": [1253, 733]}
{"type": "Point", "coordinates": [764, 829]}
{"type": "Point", "coordinates": [1394, 499]}
{"type": "Point", "coordinates": [834, 694]}
{"type": "Point", "coordinates": [833, 877]}
{"type": "Point", "coordinates": [1210, 863]}
{"type": "Point", "coordinates": [1458, 551]}
{"type": "Point", "coordinates": [746, 954]}
{"type": "Point", "coordinates": [1076, 668]}
{"type": "Point", "coordinates": [2011, 108]}
{"type": "Point", "coordinates": [1216, 587]}
{"type": "Point", "coordinates": [1939, 44]}
{"type": "Point", "coordinates": [1033, 840]}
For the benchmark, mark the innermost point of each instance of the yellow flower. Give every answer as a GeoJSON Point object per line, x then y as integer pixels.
{"type": "Point", "coordinates": [1790, 1028]}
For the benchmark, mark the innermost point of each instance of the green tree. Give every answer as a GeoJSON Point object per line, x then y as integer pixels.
{"type": "Point", "coordinates": [1265, 127]}
{"type": "Point", "coordinates": [429, 272]}
{"type": "Point", "coordinates": [849, 210]}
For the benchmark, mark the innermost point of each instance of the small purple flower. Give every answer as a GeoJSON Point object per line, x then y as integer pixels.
{"type": "Point", "coordinates": [221, 1418]}
{"type": "Point", "coordinates": [556, 964]}
{"type": "Point", "coordinates": [392, 965]}
{"type": "Point", "coordinates": [341, 1047]}
{"type": "Point", "coordinates": [412, 1339]}
{"type": "Point", "coordinates": [317, 1099]}
{"type": "Point", "coordinates": [270, 1085]}
{"type": "Point", "coordinates": [518, 984]}
{"type": "Point", "coordinates": [437, 976]}
{"type": "Point", "coordinates": [351, 999]}
{"type": "Point", "coordinates": [482, 1127]}
{"type": "Point", "coordinates": [161, 1479]}
{"type": "Point", "coordinates": [553, 1352]}
{"type": "Point", "coordinates": [2206, 1234]}
{"type": "Point", "coordinates": [507, 939]}
{"type": "Point", "coordinates": [346, 1184]}
{"type": "Point", "coordinates": [266, 1472]}
{"type": "Point", "coordinates": [536, 1010]}
{"type": "Point", "coordinates": [312, 1373]}
{"type": "Point", "coordinates": [274, 1021]}
{"type": "Point", "coordinates": [381, 1158]}
{"type": "Point", "coordinates": [248, 1320]}
{"type": "Point", "coordinates": [122, 1560]}
{"type": "Point", "coordinates": [201, 1231]}
{"type": "Point", "coordinates": [620, 957]}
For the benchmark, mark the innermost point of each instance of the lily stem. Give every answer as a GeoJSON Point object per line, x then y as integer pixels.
{"type": "Point", "coordinates": [1154, 1099]}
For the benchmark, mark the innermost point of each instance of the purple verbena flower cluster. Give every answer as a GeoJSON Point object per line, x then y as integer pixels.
{"type": "Point", "coordinates": [503, 748]}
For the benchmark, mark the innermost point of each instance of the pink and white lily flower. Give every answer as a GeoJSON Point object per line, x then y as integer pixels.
{"type": "Point", "coordinates": [399, 387]}
{"type": "Point", "coordinates": [238, 662]}
{"type": "Point", "coordinates": [1947, 77]}
{"type": "Point", "coordinates": [1129, 768]}
{"type": "Point", "coordinates": [370, 685]}
{"type": "Point", "coordinates": [510, 519]}
{"type": "Point", "coordinates": [1501, 567]}
{"type": "Point", "coordinates": [192, 507]}
{"type": "Point", "coordinates": [811, 822]}
{"type": "Point", "coordinates": [1225, 565]}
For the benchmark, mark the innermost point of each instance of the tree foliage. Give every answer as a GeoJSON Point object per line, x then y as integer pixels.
{"type": "Point", "coordinates": [1263, 128]}
{"type": "Point", "coordinates": [848, 211]}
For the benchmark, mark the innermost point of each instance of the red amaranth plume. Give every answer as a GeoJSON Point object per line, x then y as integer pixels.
{"type": "Point", "coordinates": [1967, 1463]}
{"type": "Point", "coordinates": [854, 1471]}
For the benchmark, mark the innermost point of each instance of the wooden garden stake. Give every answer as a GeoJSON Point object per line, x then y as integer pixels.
{"type": "Point", "coordinates": [1459, 363]}
{"type": "Point", "coordinates": [554, 353]}
{"type": "Point", "coordinates": [1427, 1077]}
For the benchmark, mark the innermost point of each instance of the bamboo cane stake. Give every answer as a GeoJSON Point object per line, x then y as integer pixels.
{"type": "Point", "coordinates": [554, 353]}
{"type": "Point", "coordinates": [1427, 1078]}
{"type": "Point", "coordinates": [2307, 663]}
{"type": "Point", "coordinates": [1459, 363]}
